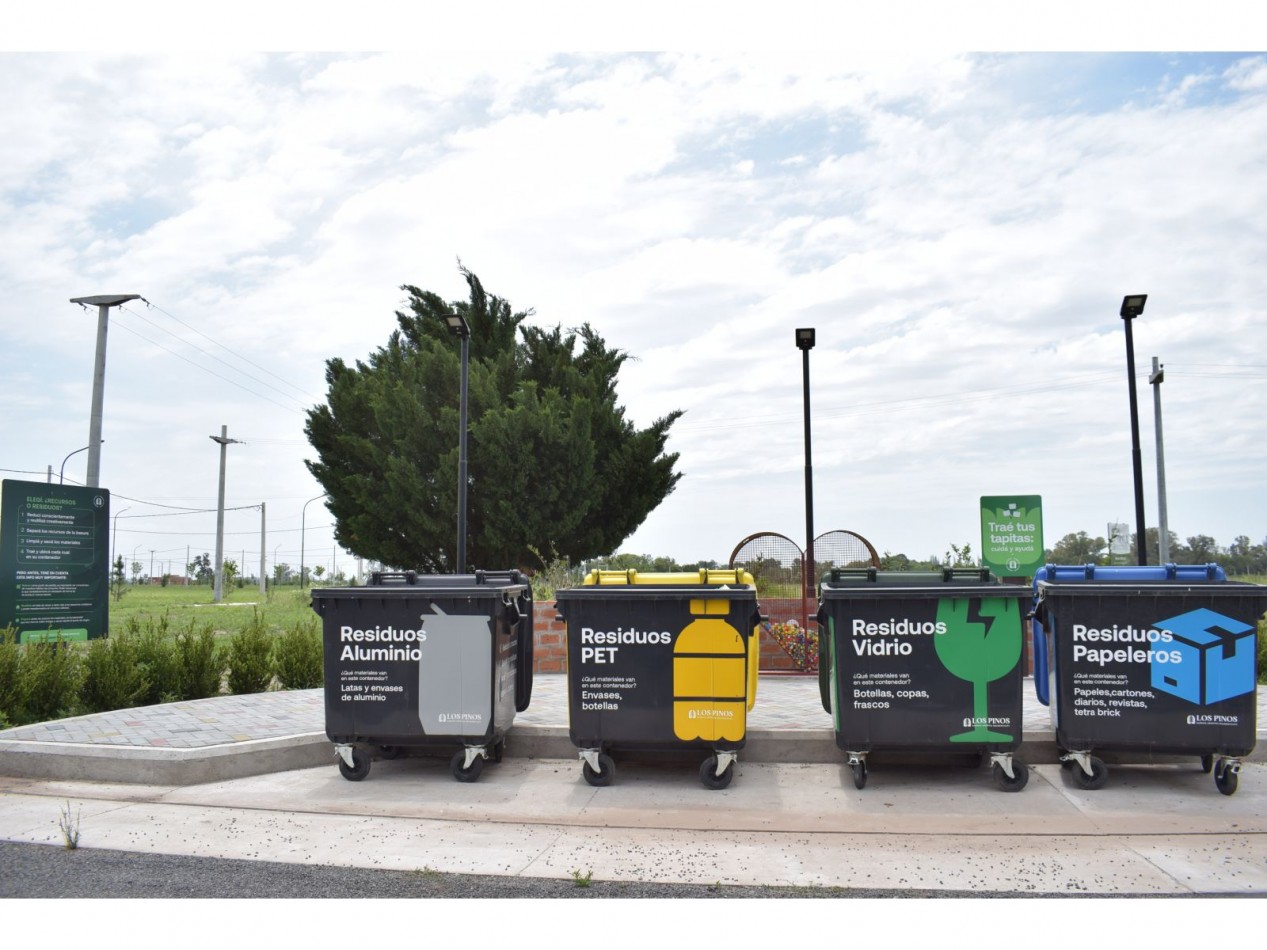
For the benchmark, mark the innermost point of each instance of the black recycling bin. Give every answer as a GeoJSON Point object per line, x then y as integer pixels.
{"type": "Point", "coordinates": [426, 662]}
{"type": "Point", "coordinates": [1148, 660]}
{"type": "Point", "coordinates": [661, 661]}
{"type": "Point", "coordinates": [927, 662]}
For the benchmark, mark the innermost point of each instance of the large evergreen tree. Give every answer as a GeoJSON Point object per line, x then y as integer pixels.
{"type": "Point", "coordinates": [554, 468]}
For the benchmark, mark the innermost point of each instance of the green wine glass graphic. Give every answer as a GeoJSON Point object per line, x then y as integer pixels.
{"type": "Point", "coordinates": [982, 643]}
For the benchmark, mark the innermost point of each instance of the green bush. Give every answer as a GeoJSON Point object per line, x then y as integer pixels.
{"type": "Point", "coordinates": [199, 665]}
{"type": "Point", "coordinates": [114, 677]}
{"type": "Point", "coordinates": [250, 666]}
{"type": "Point", "coordinates": [51, 676]}
{"type": "Point", "coordinates": [10, 676]}
{"type": "Point", "coordinates": [1262, 650]}
{"type": "Point", "coordinates": [297, 656]}
{"type": "Point", "coordinates": [156, 653]}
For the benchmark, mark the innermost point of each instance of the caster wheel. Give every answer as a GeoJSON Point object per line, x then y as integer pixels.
{"type": "Point", "coordinates": [360, 766]}
{"type": "Point", "coordinates": [709, 775]}
{"type": "Point", "coordinates": [1207, 763]}
{"type": "Point", "coordinates": [859, 775]}
{"type": "Point", "coordinates": [1019, 779]}
{"type": "Point", "coordinates": [390, 751]}
{"type": "Point", "coordinates": [463, 774]}
{"type": "Point", "coordinates": [604, 776]}
{"type": "Point", "coordinates": [1098, 778]}
{"type": "Point", "coordinates": [1225, 778]}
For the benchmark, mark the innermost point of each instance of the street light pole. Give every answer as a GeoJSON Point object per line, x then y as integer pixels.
{"type": "Point", "coordinates": [805, 343]}
{"type": "Point", "coordinates": [103, 303]}
{"type": "Point", "coordinates": [303, 536]}
{"type": "Point", "coordinates": [459, 327]}
{"type": "Point", "coordinates": [225, 442]}
{"type": "Point", "coordinates": [1163, 529]}
{"type": "Point", "coordinates": [1132, 307]}
{"type": "Point", "coordinates": [61, 478]}
{"type": "Point", "coordinates": [114, 545]}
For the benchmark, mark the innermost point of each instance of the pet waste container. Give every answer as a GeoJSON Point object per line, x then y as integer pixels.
{"type": "Point", "coordinates": [924, 662]}
{"type": "Point", "coordinates": [661, 661]}
{"type": "Point", "coordinates": [426, 662]}
{"type": "Point", "coordinates": [1150, 660]}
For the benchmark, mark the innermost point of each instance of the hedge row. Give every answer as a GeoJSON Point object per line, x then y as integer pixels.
{"type": "Point", "coordinates": [151, 663]}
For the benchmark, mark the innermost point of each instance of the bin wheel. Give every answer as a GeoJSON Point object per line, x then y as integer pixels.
{"type": "Point", "coordinates": [1019, 779]}
{"type": "Point", "coordinates": [360, 766]}
{"type": "Point", "coordinates": [498, 750]}
{"type": "Point", "coordinates": [711, 778]}
{"type": "Point", "coordinates": [390, 751]}
{"type": "Point", "coordinates": [604, 776]}
{"type": "Point", "coordinates": [460, 772]}
{"type": "Point", "coordinates": [1225, 778]}
{"type": "Point", "coordinates": [1207, 762]}
{"type": "Point", "coordinates": [859, 775]}
{"type": "Point", "coordinates": [1098, 778]}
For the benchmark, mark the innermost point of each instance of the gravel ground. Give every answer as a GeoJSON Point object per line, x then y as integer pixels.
{"type": "Point", "coordinates": [46, 871]}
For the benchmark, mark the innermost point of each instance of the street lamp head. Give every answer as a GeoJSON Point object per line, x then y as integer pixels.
{"type": "Point", "coordinates": [1133, 305]}
{"type": "Point", "coordinates": [457, 323]}
{"type": "Point", "coordinates": [805, 338]}
{"type": "Point", "coordinates": [105, 300]}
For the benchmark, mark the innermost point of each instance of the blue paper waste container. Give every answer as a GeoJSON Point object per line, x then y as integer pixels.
{"type": "Point", "coordinates": [1148, 660]}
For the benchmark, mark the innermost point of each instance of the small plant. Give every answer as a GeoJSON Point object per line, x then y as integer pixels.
{"type": "Point", "coordinates": [199, 666]}
{"type": "Point", "coordinates": [581, 880]}
{"type": "Point", "coordinates": [114, 677]}
{"type": "Point", "coordinates": [156, 654]}
{"type": "Point", "coordinates": [250, 663]}
{"type": "Point", "coordinates": [10, 676]}
{"type": "Point", "coordinates": [298, 658]}
{"type": "Point", "coordinates": [69, 826]}
{"type": "Point", "coordinates": [51, 674]}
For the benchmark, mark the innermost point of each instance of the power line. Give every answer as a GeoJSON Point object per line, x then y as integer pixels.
{"type": "Point", "coordinates": [212, 356]}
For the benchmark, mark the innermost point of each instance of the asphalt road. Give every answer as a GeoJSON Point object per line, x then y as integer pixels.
{"type": "Point", "coordinates": [45, 871]}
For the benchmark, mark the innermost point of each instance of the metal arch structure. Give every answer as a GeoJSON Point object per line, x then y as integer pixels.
{"type": "Point", "coordinates": [843, 549]}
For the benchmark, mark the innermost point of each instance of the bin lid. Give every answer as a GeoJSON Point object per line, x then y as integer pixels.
{"type": "Point", "coordinates": [729, 583]}
{"type": "Point", "coordinates": [1130, 573]}
{"type": "Point", "coordinates": [869, 578]}
{"type": "Point", "coordinates": [413, 584]}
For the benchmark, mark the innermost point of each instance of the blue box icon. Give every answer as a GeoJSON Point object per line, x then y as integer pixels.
{"type": "Point", "coordinates": [1218, 656]}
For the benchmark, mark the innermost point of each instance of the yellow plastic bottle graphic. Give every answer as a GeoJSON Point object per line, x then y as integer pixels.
{"type": "Point", "coordinates": [709, 676]}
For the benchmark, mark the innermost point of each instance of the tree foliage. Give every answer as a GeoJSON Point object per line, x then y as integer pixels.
{"type": "Point", "coordinates": [552, 462]}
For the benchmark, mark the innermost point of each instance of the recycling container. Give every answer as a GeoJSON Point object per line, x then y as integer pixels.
{"type": "Point", "coordinates": [1148, 660]}
{"type": "Point", "coordinates": [926, 662]}
{"type": "Point", "coordinates": [425, 662]}
{"type": "Point", "coordinates": [661, 661]}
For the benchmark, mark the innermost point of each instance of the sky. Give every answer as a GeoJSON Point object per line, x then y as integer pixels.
{"type": "Point", "coordinates": [958, 222]}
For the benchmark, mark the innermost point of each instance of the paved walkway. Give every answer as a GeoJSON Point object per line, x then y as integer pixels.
{"type": "Point", "coordinates": [254, 777]}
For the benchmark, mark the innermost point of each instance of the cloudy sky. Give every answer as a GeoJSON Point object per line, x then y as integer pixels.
{"type": "Point", "coordinates": [959, 227]}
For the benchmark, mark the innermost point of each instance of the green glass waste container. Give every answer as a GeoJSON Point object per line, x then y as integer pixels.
{"type": "Point", "coordinates": [925, 663]}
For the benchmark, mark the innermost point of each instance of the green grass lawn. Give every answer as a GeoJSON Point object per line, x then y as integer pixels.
{"type": "Point", "coordinates": [281, 608]}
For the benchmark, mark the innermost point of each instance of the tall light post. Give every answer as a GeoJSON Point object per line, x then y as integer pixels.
{"type": "Point", "coordinates": [303, 515]}
{"type": "Point", "coordinates": [103, 303]}
{"type": "Point", "coordinates": [1132, 307]}
{"type": "Point", "coordinates": [114, 545]}
{"type": "Point", "coordinates": [458, 326]}
{"type": "Point", "coordinates": [224, 441]}
{"type": "Point", "coordinates": [61, 477]}
{"type": "Point", "coordinates": [1163, 529]}
{"type": "Point", "coordinates": [805, 343]}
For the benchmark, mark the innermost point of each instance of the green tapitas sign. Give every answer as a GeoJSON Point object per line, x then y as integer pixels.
{"type": "Point", "coordinates": [1012, 534]}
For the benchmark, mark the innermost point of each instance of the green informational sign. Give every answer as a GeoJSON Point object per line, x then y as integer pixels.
{"type": "Point", "coordinates": [1012, 534]}
{"type": "Point", "coordinates": [54, 560]}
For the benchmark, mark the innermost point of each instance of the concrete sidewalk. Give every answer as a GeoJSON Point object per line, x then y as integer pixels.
{"type": "Point", "coordinates": [255, 778]}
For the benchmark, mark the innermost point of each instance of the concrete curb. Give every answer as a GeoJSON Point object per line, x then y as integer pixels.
{"type": "Point", "coordinates": [179, 767]}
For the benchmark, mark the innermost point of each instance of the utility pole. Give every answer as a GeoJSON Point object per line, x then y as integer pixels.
{"type": "Point", "coordinates": [103, 303]}
{"type": "Point", "coordinates": [1163, 530]}
{"type": "Point", "coordinates": [263, 588]}
{"type": "Point", "coordinates": [225, 441]}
